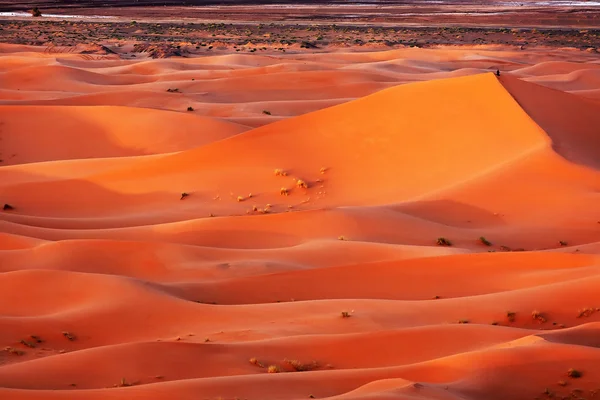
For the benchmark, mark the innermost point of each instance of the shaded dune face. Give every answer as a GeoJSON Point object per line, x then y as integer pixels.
{"type": "Point", "coordinates": [385, 225]}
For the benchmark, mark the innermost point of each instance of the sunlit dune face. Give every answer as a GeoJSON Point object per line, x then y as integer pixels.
{"type": "Point", "coordinates": [344, 225]}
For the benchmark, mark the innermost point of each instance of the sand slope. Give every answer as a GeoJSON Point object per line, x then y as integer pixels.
{"type": "Point", "coordinates": [115, 286]}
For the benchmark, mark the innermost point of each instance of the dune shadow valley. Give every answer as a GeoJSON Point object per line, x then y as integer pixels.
{"type": "Point", "coordinates": [229, 217]}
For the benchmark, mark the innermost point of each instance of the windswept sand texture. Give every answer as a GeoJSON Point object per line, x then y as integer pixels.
{"type": "Point", "coordinates": [115, 285]}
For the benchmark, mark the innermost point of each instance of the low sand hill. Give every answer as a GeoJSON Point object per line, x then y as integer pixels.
{"type": "Point", "coordinates": [152, 252]}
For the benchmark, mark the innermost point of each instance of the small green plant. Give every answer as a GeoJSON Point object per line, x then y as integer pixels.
{"type": "Point", "coordinates": [484, 241]}
{"type": "Point", "coordinates": [443, 242]}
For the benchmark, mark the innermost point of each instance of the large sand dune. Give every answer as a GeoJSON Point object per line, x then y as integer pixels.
{"type": "Point", "coordinates": [116, 285]}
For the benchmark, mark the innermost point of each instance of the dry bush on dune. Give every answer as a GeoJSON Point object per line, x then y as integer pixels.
{"type": "Point", "coordinates": [586, 312]}
{"type": "Point", "coordinates": [484, 241]}
{"type": "Point", "coordinates": [266, 112]}
{"type": "Point", "coordinates": [511, 316]}
{"type": "Point", "coordinates": [280, 172]}
{"type": "Point", "coordinates": [345, 314]}
{"type": "Point", "coordinates": [301, 184]}
{"type": "Point", "coordinates": [184, 195]}
{"type": "Point", "coordinates": [254, 361]}
{"type": "Point", "coordinates": [537, 316]}
{"type": "Point", "coordinates": [35, 12]}
{"type": "Point", "coordinates": [8, 207]}
{"type": "Point", "coordinates": [443, 242]}
{"type": "Point", "coordinates": [190, 108]}
{"type": "Point", "coordinates": [299, 366]}
{"type": "Point", "coordinates": [283, 192]}
{"type": "Point", "coordinates": [273, 369]}
{"type": "Point", "coordinates": [573, 373]}
{"type": "Point", "coordinates": [463, 321]}
{"type": "Point", "coordinates": [26, 343]}
{"type": "Point", "coordinates": [12, 350]}
{"type": "Point", "coordinates": [69, 335]}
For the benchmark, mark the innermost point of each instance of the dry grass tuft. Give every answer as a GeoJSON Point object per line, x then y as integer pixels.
{"type": "Point", "coordinates": [511, 316]}
{"type": "Point", "coordinates": [299, 366]}
{"type": "Point", "coordinates": [538, 316]}
{"type": "Point", "coordinates": [301, 184]}
{"type": "Point", "coordinates": [254, 361]}
{"type": "Point", "coordinates": [484, 241]}
{"type": "Point", "coordinates": [573, 373]}
{"type": "Point", "coordinates": [345, 314]}
{"type": "Point", "coordinates": [283, 192]}
{"type": "Point", "coordinates": [280, 172]}
{"type": "Point", "coordinates": [12, 350]}
{"type": "Point", "coordinates": [273, 369]}
{"type": "Point", "coordinates": [586, 312]}
{"type": "Point", "coordinates": [443, 242]}
{"type": "Point", "coordinates": [69, 336]}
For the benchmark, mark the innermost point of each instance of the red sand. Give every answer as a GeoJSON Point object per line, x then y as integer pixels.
{"type": "Point", "coordinates": [194, 298]}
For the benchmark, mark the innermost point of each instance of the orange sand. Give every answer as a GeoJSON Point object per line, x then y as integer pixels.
{"type": "Point", "coordinates": [170, 298]}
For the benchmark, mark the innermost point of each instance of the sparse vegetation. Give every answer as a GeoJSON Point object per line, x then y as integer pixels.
{"type": "Point", "coordinates": [283, 192]}
{"type": "Point", "coordinates": [273, 369]}
{"type": "Point", "coordinates": [538, 316]}
{"type": "Point", "coordinates": [8, 207]}
{"type": "Point", "coordinates": [240, 198]}
{"type": "Point", "coordinates": [280, 172]}
{"type": "Point", "coordinates": [345, 314]}
{"type": "Point", "coordinates": [28, 344]}
{"type": "Point", "coordinates": [266, 112]}
{"type": "Point", "coordinates": [573, 373]}
{"type": "Point", "coordinates": [299, 366]}
{"type": "Point", "coordinates": [190, 108]}
{"type": "Point", "coordinates": [443, 242]}
{"type": "Point", "coordinates": [184, 195]}
{"type": "Point", "coordinates": [69, 336]}
{"type": "Point", "coordinates": [254, 361]}
{"type": "Point", "coordinates": [463, 321]}
{"type": "Point", "coordinates": [511, 316]}
{"type": "Point", "coordinates": [175, 90]}
{"type": "Point", "coordinates": [562, 243]}
{"type": "Point", "coordinates": [35, 12]}
{"type": "Point", "coordinates": [301, 184]}
{"type": "Point", "coordinates": [124, 383]}
{"type": "Point", "coordinates": [562, 383]}
{"type": "Point", "coordinates": [341, 237]}
{"type": "Point", "coordinates": [484, 241]}
{"type": "Point", "coordinates": [12, 350]}
{"type": "Point", "coordinates": [586, 312]}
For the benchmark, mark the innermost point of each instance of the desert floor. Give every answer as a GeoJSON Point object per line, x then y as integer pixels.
{"type": "Point", "coordinates": [344, 224]}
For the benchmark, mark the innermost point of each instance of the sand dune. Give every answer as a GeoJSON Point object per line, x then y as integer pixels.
{"type": "Point", "coordinates": [151, 252]}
